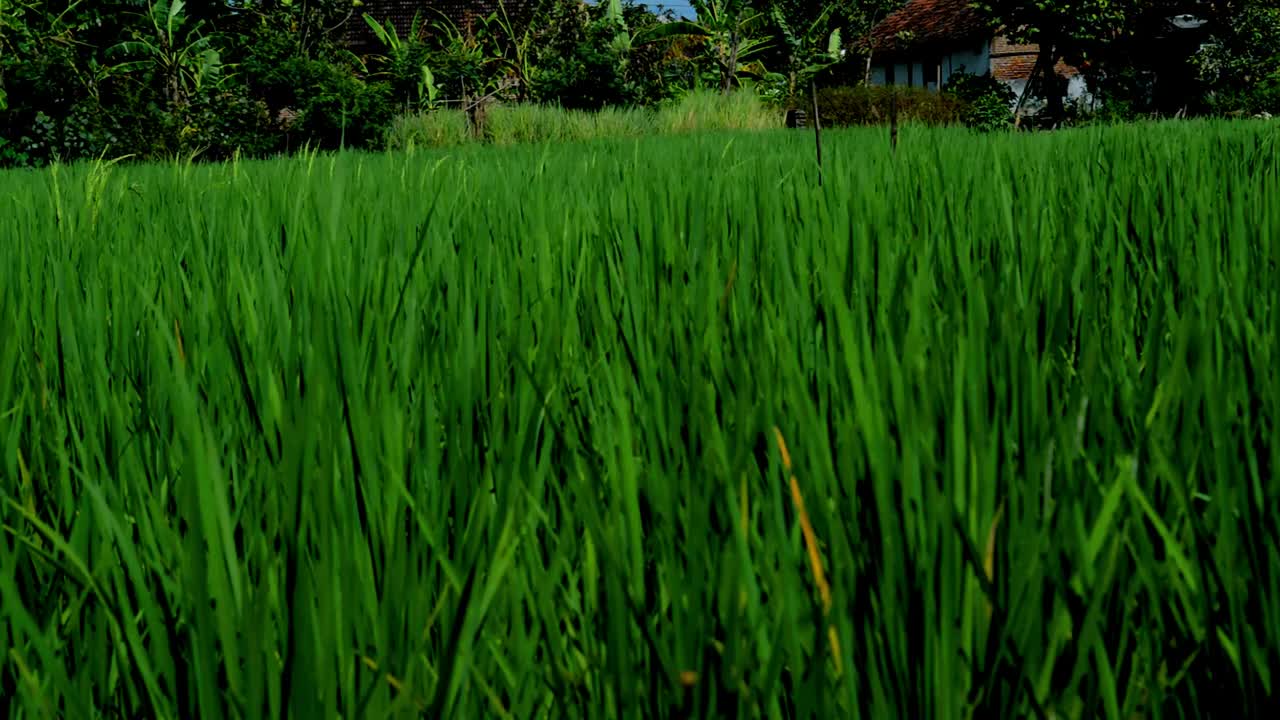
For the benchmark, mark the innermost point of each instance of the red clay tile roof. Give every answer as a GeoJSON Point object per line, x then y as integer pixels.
{"type": "Point", "coordinates": [928, 22]}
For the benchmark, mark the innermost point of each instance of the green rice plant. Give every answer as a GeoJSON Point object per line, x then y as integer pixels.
{"type": "Point", "coordinates": [983, 427]}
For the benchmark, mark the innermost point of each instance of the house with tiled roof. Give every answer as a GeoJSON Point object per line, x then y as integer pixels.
{"type": "Point", "coordinates": [462, 14]}
{"type": "Point", "coordinates": [926, 41]}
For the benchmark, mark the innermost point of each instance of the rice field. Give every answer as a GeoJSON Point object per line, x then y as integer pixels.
{"type": "Point", "coordinates": [983, 428]}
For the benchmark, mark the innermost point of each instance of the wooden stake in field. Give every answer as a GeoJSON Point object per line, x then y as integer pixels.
{"type": "Point", "coordinates": [893, 120]}
{"type": "Point", "coordinates": [817, 129]}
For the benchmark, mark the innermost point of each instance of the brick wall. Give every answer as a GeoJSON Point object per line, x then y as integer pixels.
{"type": "Point", "coordinates": [1011, 61]}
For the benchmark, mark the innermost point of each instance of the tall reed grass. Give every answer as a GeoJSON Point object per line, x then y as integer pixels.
{"type": "Point", "coordinates": [703, 111]}
{"type": "Point", "coordinates": [660, 428]}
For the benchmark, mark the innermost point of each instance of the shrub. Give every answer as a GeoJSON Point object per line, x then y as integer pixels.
{"type": "Point", "coordinates": [580, 64]}
{"type": "Point", "coordinates": [49, 113]}
{"type": "Point", "coordinates": [586, 75]}
{"type": "Point", "coordinates": [1240, 67]}
{"type": "Point", "coordinates": [872, 105]}
{"type": "Point", "coordinates": [1261, 97]}
{"type": "Point", "coordinates": [988, 103]}
{"type": "Point", "coordinates": [220, 122]}
{"type": "Point", "coordinates": [333, 106]}
{"type": "Point", "coordinates": [85, 131]}
{"type": "Point", "coordinates": [330, 104]}
{"type": "Point", "coordinates": [11, 155]}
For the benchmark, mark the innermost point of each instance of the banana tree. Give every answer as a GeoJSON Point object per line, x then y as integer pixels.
{"type": "Point", "coordinates": [400, 60]}
{"type": "Point", "coordinates": [518, 47]}
{"type": "Point", "coordinates": [622, 41]}
{"type": "Point", "coordinates": [173, 48]}
{"type": "Point", "coordinates": [810, 50]}
{"type": "Point", "coordinates": [731, 31]}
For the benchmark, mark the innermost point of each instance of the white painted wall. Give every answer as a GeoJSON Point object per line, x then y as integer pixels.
{"type": "Point", "coordinates": [1077, 91]}
{"type": "Point", "coordinates": [1017, 86]}
{"type": "Point", "coordinates": [976, 59]}
{"type": "Point", "coordinates": [1077, 88]}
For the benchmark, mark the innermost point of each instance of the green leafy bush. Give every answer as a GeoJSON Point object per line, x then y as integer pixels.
{"type": "Point", "coordinates": [223, 121]}
{"type": "Point", "coordinates": [586, 76]}
{"type": "Point", "coordinates": [579, 66]}
{"type": "Point", "coordinates": [74, 90]}
{"type": "Point", "coordinates": [329, 104]}
{"type": "Point", "coordinates": [85, 131]}
{"type": "Point", "coordinates": [46, 113]}
{"type": "Point", "coordinates": [336, 108]}
{"type": "Point", "coordinates": [988, 103]}
{"type": "Point", "coordinates": [1240, 66]}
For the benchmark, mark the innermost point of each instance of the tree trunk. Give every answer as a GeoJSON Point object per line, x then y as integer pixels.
{"type": "Point", "coordinates": [1053, 93]}
{"type": "Point", "coordinates": [817, 128]}
{"type": "Point", "coordinates": [726, 82]}
{"type": "Point", "coordinates": [174, 91]}
{"type": "Point", "coordinates": [479, 117]}
{"type": "Point", "coordinates": [469, 107]}
{"type": "Point", "coordinates": [893, 119]}
{"type": "Point", "coordinates": [1027, 89]}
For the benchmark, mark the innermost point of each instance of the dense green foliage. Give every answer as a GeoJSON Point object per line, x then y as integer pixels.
{"type": "Point", "coordinates": [985, 101]}
{"type": "Point", "coordinates": [500, 431]}
{"type": "Point", "coordinates": [1138, 62]}
{"type": "Point", "coordinates": [164, 78]}
{"type": "Point", "coordinates": [584, 57]}
{"type": "Point", "coordinates": [1243, 62]}
{"type": "Point", "coordinates": [212, 78]}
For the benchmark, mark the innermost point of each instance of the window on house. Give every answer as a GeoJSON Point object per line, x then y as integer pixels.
{"type": "Point", "coordinates": [910, 74]}
{"type": "Point", "coordinates": [930, 73]}
{"type": "Point", "coordinates": [888, 73]}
